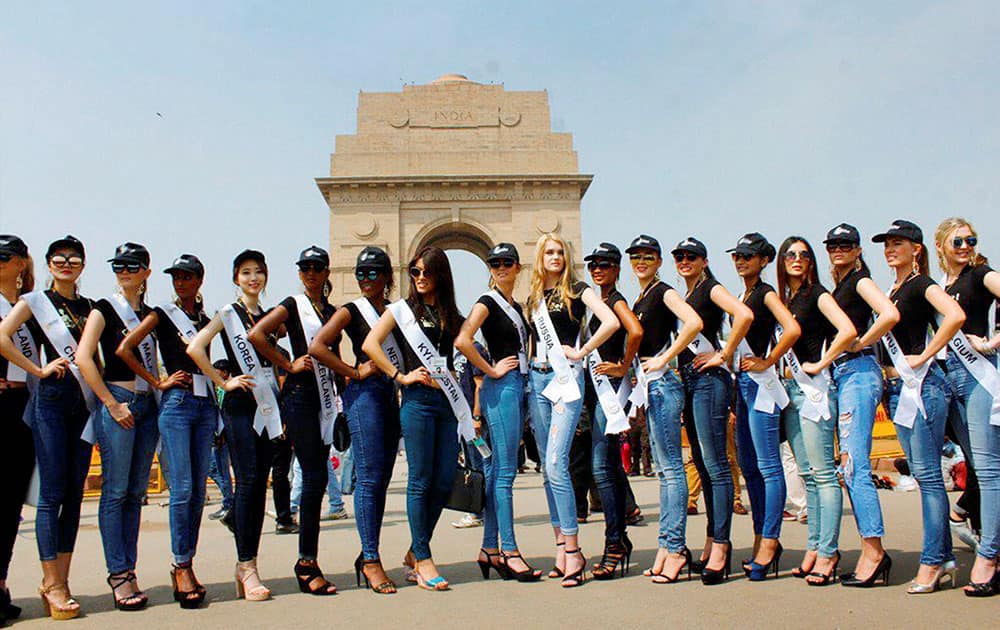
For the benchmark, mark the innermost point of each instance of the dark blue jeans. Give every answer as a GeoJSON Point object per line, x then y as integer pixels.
{"type": "Point", "coordinates": [187, 426]}
{"type": "Point", "coordinates": [706, 413]}
{"type": "Point", "coordinates": [373, 417]}
{"type": "Point", "coordinates": [300, 412]}
{"type": "Point", "coordinates": [126, 456]}
{"type": "Point", "coordinates": [63, 460]}
{"type": "Point", "coordinates": [758, 446]}
{"type": "Point", "coordinates": [609, 476]}
{"type": "Point", "coordinates": [431, 439]}
{"type": "Point", "coordinates": [251, 455]}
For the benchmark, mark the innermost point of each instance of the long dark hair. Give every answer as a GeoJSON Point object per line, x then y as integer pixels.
{"type": "Point", "coordinates": [812, 276]}
{"type": "Point", "coordinates": [436, 266]}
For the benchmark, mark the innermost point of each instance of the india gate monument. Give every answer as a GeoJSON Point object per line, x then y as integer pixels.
{"type": "Point", "coordinates": [455, 164]}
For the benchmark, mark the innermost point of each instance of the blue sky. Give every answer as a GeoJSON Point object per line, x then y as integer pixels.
{"type": "Point", "coordinates": [707, 118]}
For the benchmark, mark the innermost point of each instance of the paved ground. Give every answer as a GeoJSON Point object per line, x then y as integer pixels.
{"type": "Point", "coordinates": [631, 601]}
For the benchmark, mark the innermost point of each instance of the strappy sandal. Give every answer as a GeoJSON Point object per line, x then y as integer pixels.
{"type": "Point", "coordinates": [578, 577]}
{"type": "Point", "coordinates": [246, 572]}
{"type": "Point", "coordinates": [132, 601]}
{"type": "Point", "coordinates": [68, 609]}
{"type": "Point", "coordinates": [487, 564]}
{"type": "Point", "coordinates": [306, 574]}
{"type": "Point", "coordinates": [187, 599]}
{"type": "Point", "coordinates": [525, 575]}
{"type": "Point", "coordinates": [615, 555]}
{"type": "Point", "coordinates": [663, 578]}
{"type": "Point", "coordinates": [825, 578]}
{"type": "Point", "coordinates": [555, 571]}
{"type": "Point", "coordinates": [410, 562]}
{"type": "Point", "coordinates": [384, 588]}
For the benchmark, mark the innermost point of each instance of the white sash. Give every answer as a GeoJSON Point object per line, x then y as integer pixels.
{"type": "Point", "coordinates": [25, 342]}
{"type": "Point", "coordinates": [816, 403]}
{"type": "Point", "coordinates": [612, 402]}
{"type": "Point", "coordinates": [201, 385]}
{"type": "Point", "coordinates": [518, 321]}
{"type": "Point", "coordinates": [147, 347]}
{"type": "Point", "coordinates": [639, 396]}
{"type": "Point", "coordinates": [265, 389]}
{"type": "Point", "coordinates": [910, 400]}
{"type": "Point", "coordinates": [564, 386]}
{"type": "Point", "coordinates": [389, 346]}
{"type": "Point", "coordinates": [771, 396]}
{"type": "Point", "coordinates": [58, 334]}
{"type": "Point", "coordinates": [328, 395]}
{"type": "Point", "coordinates": [981, 368]}
{"type": "Point", "coordinates": [425, 351]}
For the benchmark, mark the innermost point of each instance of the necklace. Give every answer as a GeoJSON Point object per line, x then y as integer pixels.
{"type": "Point", "coordinates": [649, 287]}
{"type": "Point", "coordinates": [701, 279]}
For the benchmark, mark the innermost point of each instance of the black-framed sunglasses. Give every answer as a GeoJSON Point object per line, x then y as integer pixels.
{"type": "Point", "coordinates": [73, 262]}
{"type": "Point", "coordinates": [741, 256]}
{"type": "Point", "coordinates": [497, 263]}
{"type": "Point", "coordinates": [120, 267]}
{"type": "Point", "coordinates": [312, 266]}
{"type": "Point", "coordinates": [680, 257]}
{"type": "Point", "coordinates": [958, 241]}
{"type": "Point", "coordinates": [803, 255]}
{"type": "Point", "coordinates": [600, 264]}
{"type": "Point", "coordinates": [5, 257]}
{"type": "Point", "coordinates": [646, 258]}
{"type": "Point", "coordinates": [416, 272]}
{"type": "Point", "coordinates": [370, 274]}
{"type": "Point", "coordinates": [841, 246]}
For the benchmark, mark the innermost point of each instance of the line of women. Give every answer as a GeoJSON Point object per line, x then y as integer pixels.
{"type": "Point", "coordinates": [798, 363]}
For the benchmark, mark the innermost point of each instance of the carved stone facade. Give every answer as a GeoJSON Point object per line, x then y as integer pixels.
{"type": "Point", "coordinates": [454, 164]}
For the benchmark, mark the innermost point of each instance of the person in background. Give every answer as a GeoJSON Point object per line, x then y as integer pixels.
{"type": "Point", "coordinates": [470, 378]}
{"type": "Point", "coordinates": [218, 470]}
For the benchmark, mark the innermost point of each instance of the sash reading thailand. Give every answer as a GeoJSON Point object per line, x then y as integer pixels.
{"type": "Point", "coordinates": [25, 342]}
{"type": "Point", "coordinates": [910, 400]}
{"type": "Point", "coordinates": [328, 396]}
{"type": "Point", "coordinates": [389, 346]}
{"type": "Point", "coordinates": [815, 389]}
{"type": "Point", "coordinates": [147, 347]}
{"type": "Point", "coordinates": [564, 386]}
{"type": "Point", "coordinates": [516, 319]}
{"type": "Point", "coordinates": [265, 388]}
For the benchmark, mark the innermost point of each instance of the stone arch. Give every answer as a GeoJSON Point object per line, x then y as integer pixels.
{"type": "Point", "coordinates": [466, 235]}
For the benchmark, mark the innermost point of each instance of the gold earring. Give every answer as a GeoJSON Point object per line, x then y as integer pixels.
{"type": "Point", "coordinates": [20, 282]}
{"type": "Point", "coordinates": [857, 265]}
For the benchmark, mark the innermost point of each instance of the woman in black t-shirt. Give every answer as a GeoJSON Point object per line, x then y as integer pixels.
{"type": "Point", "coordinates": [427, 418]}
{"type": "Point", "coordinates": [308, 415]}
{"type": "Point", "coordinates": [502, 401]}
{"type": "Point", "coordinates": [125, 425]}
{"type": "Point", "coordinates": [915, 380]}
{"type": "Point", "coordinates": [371, 405]}
{"type": "Point", "coordinates": [809, 423]}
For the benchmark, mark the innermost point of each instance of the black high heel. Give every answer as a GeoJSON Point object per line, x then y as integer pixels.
{"type": "Point", "coordinates": [628, 551]}
{"type": "Point", "coordinates": [578, 577]}
{"type": "Point", "coordinates": [184, 598]}
{"type": "Point", "coordinates": [984, 589]}
{"type": "Point", "coordinates": [612, 561]}
{"type": "Point", "coordinates": [825, 578]}
{"type": "Point", "coordinates": [486, 565]}
{"type": "Point", "coordinates": [666, 579]}
{"type": "Point", "coordinates": [555, 571]}
{"type": "Point", "coordinates": [525, 575]}
{"type": "Point", "coordinates": [306, 573]}
{"type": "Point", "coordinates": [759, 572]}
{"type": "Point", "coordinates": [711, 577]}
{"type": "Point", "coordinates": [881, 572]}
{"type": "Point", "coordinates": [385, 588]}
{"type": "Point", "coordinates": [135, 601]}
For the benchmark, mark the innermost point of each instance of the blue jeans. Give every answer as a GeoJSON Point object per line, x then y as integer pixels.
{"type": "Point", "coordinates": [609, 475]}
{"type": "Point", "coordinates": [812, 445]}
{"type": "Point", "coordinates": [373, 417]}
{"type": "Point", "coordinates": [218, 472]}
{"type": "Point", "coordinates": [431, 439]}
{"type": "Point", "coordinates": [502, 401]}
{"type": "Point", "coordinates": [971, 411]}
{"type": "Point", "coordinates": [922, 444]}
{"type": "Point", "coordinates": [854, 397]}
{"type": "Point", "coordinates": [707, 396]}
{"type": "Point", "coordinates": [555, 426]}
{"type": "Point", "coordinates": [666, 403]}
{"type": "Point", "coordinates": [126, 457]}
{"type": "Point", "coordinates": [63, 461]}
{"type": "Point", "coordinates": [187, 426]}
{"type": "Point", "coordinates": [758, 447]}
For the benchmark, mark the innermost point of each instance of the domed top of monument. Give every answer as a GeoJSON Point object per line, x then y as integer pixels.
{"type": "Point", "coordinates": [451, 78]}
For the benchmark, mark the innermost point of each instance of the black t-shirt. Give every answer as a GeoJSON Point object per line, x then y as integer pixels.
{"type": "Point", "coordinates": [970, 290]}
{"type": "Point", "coordinates": [816, 328]}
{"type": "Point", "coordinates": [173, 347]}
{"type": "Point", "coordinates": [248, 323]}
{"type": "Point", "coordinates": [73, 313]}
{"type": "Point", "coordinates": [3, 361]}
{"type": "Point", "coordinates": [711, 316]}
{"type": "Point", "coordinates": [443, 342]}
{"type": "Point", "coordinates": [613, 349]}
{"type": "Point", "coordinates": [568, 323]}
{"type": "Point", "coordinates": [502, 338]}
{"type": "Point", "coordinates": [658, 322]}
{"type": "Point", "coordinates": [114, 331]}
{"type": "Point", "coordinates": [297, 338]}
{"type": "Point", "coordinates": [762, 329]}
{"type": "Point", "coordinates": [847, 296]}
{"type": "Point", "coordinates": [357, 329]}
{"type": "Point", "coordinates": [916, 315]}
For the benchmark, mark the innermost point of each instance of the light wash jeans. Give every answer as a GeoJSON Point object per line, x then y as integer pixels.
{"type": "Point", "coordinates": [666, 402]}
{"type": "Point", "coordinates": [502, 401]}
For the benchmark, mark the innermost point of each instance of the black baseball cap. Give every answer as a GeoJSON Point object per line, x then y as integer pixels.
{"type": "Point", "coordinates": [249, 254]}
{"type": "Point", "coordinates": [188, 263]}
{"type": "Point", "coordinates": [503, 251]}
{"type": "Point", "coordinates": [13, 245]}
{"type": "Point", "coordinates": [67, 242]}
{"type": "Point", "coordinates": [608, 251]}
{"type": "Point", "coordinates": [131, 253]}
{"type": "Point", "coordinates": [644, 241]}
{"type": "Point", "coordinates": [692, 245]}
{"type": "Point", "coordinates": [372, 257]}
{"type": "Point", "coordinates": [314, 254]}
{"type": "Point", "coordinates": [753, 244]}
{"type": "Point", "coordinates": [843, 233]}
{"type": "Point", "coordinates": [903, 229]}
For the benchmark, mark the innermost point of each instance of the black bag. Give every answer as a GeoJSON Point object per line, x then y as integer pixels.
{"type": "Point", "coordinates": [468, 493]}
{"type": "Point", "coordinates": [341, 433]}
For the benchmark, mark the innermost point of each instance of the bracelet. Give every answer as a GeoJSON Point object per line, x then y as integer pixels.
{"type": "Point", "coordinates": [396, 374]}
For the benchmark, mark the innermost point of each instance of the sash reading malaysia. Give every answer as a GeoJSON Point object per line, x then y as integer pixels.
{"type": "Point", "coordinates": [910, 400]}
{"type": "Point", "coordinates": [771, 396]}
{"type": "Point", "coordinates": [26, 344]}
{"type": "Point", "coordinates": [515, 318]}
{"type": "Point", "coordinates": [147, 347]}
{"type": "Point", "coordinates": [424, 349]}
{"type": "Point", "coordinates": [389, 346]}
{"type": "Point", "coordinates": [815, 389]}
{"type": "Point", "coordinates": [328, 396]}
{"type": "Point", "coordinates": [265, 388]}
{"type": "Point", "coordinates": [564, 386]}
{"type": "Point", "coordinates": [62, 340]}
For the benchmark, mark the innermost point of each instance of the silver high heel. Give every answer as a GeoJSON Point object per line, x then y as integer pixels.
{"type": "Point", "coordinates": [948, 571]}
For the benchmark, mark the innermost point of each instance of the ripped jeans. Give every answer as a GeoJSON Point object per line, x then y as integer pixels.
{"type": "Point", "coordinates": [854, 397]}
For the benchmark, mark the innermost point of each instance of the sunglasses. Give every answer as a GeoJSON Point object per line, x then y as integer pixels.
{"type": "Point", "coordinates": [506, 263]}
{"type": "Point", "coordinates": [5, 257]}
{"type": "Point", "coordinates": [309, 266]}
{"type": "Point", "coordinates": [685, 257]}
{"type": "Point", "coordinates": [120, 267]}
{"type": "Point", "coordinates": [739, 256]}
{"type": "Point", "coordinates": [73, 262]}
{"type": "Point", "coordinates": [840, 247]}
{"type": "Point", "coordinates": [803, 255]}
{"type": "Point", "coordinates": [958, 241]}
{"type": "Point", "coordinates": [646, 258]}
{"type": "Point", "coordinates": [416, 272]}
{"type": "Point", "coordinates": [600, 264]}
{"type": "Point", "coordinates": [371, 274]}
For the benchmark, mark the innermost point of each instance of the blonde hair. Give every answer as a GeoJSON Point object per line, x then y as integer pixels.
{"type": "Point", "coordinates": [945, 230]}
{"type": "Point", "coordinates": [563, 288]}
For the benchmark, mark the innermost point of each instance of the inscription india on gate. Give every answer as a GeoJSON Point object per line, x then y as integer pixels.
{"type": "Point", "coordinates": [453, 163]}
